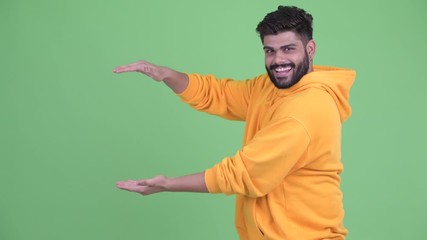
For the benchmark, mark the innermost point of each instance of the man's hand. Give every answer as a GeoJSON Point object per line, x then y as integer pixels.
{"type": "Point", "coordinates": [145, 186]}
{"type": "Point", "coordinates": [189, 183]}
{"type": "Point", "coordinates": [153, 71]}
{"type": "Point", "coordinates": [177, 81]}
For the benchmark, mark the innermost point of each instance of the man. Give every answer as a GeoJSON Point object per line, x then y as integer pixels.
{"type": "Point", "coordinates": [286, 176]}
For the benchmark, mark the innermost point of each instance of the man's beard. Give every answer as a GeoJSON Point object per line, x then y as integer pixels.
{"type": "Point", "coordinates": [298, 72]}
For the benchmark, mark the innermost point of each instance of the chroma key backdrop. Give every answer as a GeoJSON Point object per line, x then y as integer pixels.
{"type": "Point", "coordinates": [70, 128]}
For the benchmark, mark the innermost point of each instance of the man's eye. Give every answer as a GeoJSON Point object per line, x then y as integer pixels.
{"type": "Point", "coordinates": [268, 51]}
{"type": "Point", "coordinates": [288, 49]}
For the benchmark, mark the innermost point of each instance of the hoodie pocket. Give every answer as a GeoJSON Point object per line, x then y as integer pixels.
{"type": "Point", "coordinates": [258, 222]}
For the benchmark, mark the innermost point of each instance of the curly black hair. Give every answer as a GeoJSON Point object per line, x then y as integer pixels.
{"type": "Point", "coordinates": [287, 18]}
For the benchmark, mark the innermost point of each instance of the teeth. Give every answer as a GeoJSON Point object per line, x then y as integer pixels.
{"type": "Point", "coordinates": [282, 69]}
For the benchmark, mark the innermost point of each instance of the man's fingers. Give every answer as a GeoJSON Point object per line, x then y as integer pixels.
{"type": "Point", "coordinates": [140, 66]}
{"type": "Point", "coordinates": [133, 187]}
{"type": "Point", "coordinates": [130, 188]}
{"type": "Point", "coordinates": [144, 186]}
{"type": "Point", "coordinates": [127, 185]}
{"type": "Point", "coordinates": [126, 68]}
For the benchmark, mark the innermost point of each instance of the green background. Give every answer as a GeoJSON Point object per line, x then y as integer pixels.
{"type": "Point", "coordinates": [70, 128]}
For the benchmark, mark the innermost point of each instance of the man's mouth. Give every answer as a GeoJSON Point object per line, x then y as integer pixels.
{"type": "Point", "coordinates": [282, 70]}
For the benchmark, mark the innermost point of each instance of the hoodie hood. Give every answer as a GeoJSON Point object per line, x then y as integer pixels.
{"type": "Point", "coordinates": [336, 81]}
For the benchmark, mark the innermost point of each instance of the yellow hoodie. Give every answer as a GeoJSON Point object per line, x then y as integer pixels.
{"type": "Point", "coordinates": [286, 176]}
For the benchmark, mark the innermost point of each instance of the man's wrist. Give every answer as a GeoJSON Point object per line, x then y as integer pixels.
{"type": "Point", "coordinates": [177, 81]}
{"type": "Point", "coordinates": [167, 184]}
{"type": "Point", "coordinates": [166, 74]}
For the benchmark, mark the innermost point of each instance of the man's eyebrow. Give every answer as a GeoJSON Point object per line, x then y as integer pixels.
{"type": "Point", "coordinates": [288, 45]}
{"type": "Point", "coordinates": [281, 47]}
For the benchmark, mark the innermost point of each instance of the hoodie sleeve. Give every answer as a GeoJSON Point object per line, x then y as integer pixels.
{"type": "Point", "coordinates": [222, 97]}
{"type": "Point", "coordinates": [261, 165]}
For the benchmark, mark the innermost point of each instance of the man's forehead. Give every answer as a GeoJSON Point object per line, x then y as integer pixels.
{"type": "Point", "coordinates": [282, 39]}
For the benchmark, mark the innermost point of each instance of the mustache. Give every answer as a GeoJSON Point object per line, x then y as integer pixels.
{"type": "Point", "coordinates": [273, 66]}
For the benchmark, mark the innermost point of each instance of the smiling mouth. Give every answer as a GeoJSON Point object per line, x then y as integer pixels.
{"type": "Point", "coordinates": [282, 69]}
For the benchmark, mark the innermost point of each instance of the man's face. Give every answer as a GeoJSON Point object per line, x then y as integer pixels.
{"type": "Point", "coordinates": [286, 58]}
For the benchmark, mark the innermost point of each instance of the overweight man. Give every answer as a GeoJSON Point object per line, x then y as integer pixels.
{"type": "Point", "coordinates": [286, 176]}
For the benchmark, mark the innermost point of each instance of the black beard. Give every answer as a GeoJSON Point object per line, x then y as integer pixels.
{"type": "Point", "coordinates": [300, 71]}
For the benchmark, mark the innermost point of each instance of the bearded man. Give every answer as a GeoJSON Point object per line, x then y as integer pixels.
{"type": "Point", "coordinates": [286, 176]}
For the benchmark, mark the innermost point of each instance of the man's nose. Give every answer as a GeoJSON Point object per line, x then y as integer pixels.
{"type": "Point", "coordinates": [280, 57]}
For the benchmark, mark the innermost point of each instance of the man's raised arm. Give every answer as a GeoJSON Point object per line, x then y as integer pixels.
{"type": "Point", "coordinates": [177, 81]}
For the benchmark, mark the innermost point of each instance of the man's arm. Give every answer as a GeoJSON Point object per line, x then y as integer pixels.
{"type": "Point", "coordinates": [175, 80]}
{"type": "Point", "coordinates": [263, 163]}
{"type": "Point", "coordinates": [190, 183]}
{"type": "Point", "coordinates": [222, 97]}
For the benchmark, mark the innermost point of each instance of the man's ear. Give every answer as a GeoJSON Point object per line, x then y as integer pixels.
{"type": "Point", "coordinates": [311, 49]}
